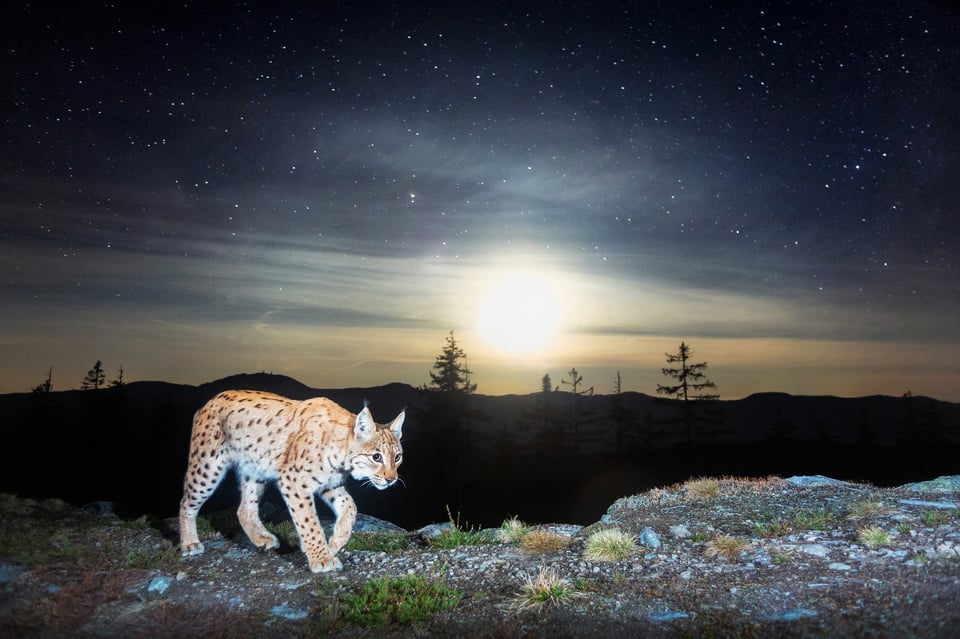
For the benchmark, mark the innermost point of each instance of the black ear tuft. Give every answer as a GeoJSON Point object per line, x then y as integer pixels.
{"type": "Point", "coordinates": [366, 402]}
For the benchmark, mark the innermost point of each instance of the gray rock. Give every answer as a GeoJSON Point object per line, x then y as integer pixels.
{"type": "Point", "coordinates": [945, 505]}
{"type": "Point", "coordinates": [815, 480]}
{"type": "Point", "coordinates": [792, 614]}
{"type": "Point", "coordinates": [159, 584]}
{"type": "Point", "coordinates": [680, 532]}
{"type": "Point", "coordinates": [435, 530]}
{"type": "Point", "coordinates": [944, 484]}
{"type": "Point", "coordinates": [649, 538]}
{"type": "Point", "coordinates": [288, 613]}
{"type": "Point", "coordinates": [8, 572]}
{"type": "Point", "coordinates": [669, 616]}
{"type": "Point", "coordinates": [817, 550]}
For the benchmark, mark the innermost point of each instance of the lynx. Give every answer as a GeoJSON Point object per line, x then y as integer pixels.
{"type": "Point", "coordinates": [307, 446]}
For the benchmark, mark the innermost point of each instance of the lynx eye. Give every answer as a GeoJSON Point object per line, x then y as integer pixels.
{"type": "Point", "coordinates": [397, 457]}
{"type": "Point", "coordinates": [377, 457]}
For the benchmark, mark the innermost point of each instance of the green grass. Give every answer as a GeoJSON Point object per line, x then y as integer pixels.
{"type": "Point", "coordinates": [772, 528]}
{"type": "Point", "coordinates": [873, 537]}
{"type": "Point", "coordinates": [609, 545]}
{"type": "Point", "coordinates": [813, 520]}
{"type": "Point", "coordinates": [512, 531]}
{"type": "Point", "coordinates": [31, 548]}
{"type": "Point", "coordinates": [869, 508]}
{"type": "Point", "coordinates": [801, 520]}
{"type": "Point", "coordinates": [934, 518]}
{"type": "Point", "coordinates": [458, 536]}
{"type": "Point", "coordinates": [148, 559]}
{"type": "Point", "coordinates": [397, 601]}
{"type": "Point", "coordinates": [285, 531]}
{"type": "Point", "coordinates": [379, 541]}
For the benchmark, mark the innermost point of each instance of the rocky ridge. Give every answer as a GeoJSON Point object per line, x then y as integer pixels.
{"type": "Point", "coordinates": [803, 557]}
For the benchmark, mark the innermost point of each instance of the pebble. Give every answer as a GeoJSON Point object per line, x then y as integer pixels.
{"type": "Point", "coordinates": [680, 532]}
{"type": "Point", "coordinates": [649, 538]}
{"type": "Point", "coordinates": [288, 613]}
{"type": "Point", "coordinates": [159, 584]}
{"type": "Point", "coordinates": [669, 616]}
{"type": "Point", "coordinates": [792, 614]}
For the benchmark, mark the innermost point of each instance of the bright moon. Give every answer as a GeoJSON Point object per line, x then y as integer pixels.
{"type": "Point", "coordinates": [520, 313]}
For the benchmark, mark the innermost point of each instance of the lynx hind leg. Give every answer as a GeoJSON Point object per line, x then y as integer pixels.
{"type": "Point", "coordinates": [313, 542]}
{"type": "Point", "coordinates": [345, 511]}
{"type": "Point", "coordinates": [202, 479]}
{"type": "Point", "coordinates": [206, 468]}
{"type": "Point", "coordinates": [249, 513]}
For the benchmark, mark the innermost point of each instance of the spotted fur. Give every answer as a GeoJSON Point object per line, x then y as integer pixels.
{"type": "Point", "coordinates": [308, 447]}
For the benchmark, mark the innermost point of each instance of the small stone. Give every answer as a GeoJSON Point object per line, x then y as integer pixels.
{"type": "Point", "coordinates": [288, 613]}
{"type": "Point", "coordinates": [839, 566]}
{"type": "Point", "coordinates": [159, 584]}
{"type": "Point", "coordinates": [649, 538]}
{"type": "Point", "coordinates": [792, 614]}
{"type": "Point", "coordinates": [680, 532]}
{"type": "Point", "coordinates": [669, 616]}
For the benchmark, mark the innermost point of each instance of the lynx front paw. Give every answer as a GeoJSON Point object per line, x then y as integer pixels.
{"type": "Point", "coordinates": [328, 564]}
{"type": "Point", "coordinates": [265, 541]}
{"type": "Point", "coordinates": [187, 550]}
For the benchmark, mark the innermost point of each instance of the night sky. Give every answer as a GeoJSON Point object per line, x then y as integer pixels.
{"type": "Point", "coordinates": [326, 192]}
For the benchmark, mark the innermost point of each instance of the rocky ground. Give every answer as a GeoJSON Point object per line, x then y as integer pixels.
{"type": "Point", "coordinates": [802, 557]}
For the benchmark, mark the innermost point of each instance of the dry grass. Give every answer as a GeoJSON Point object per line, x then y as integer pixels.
{"type": "Point", "coordinates": [540, 541]}
{"type": "Point", "coordinates": [546, 589]}
{"type": "Point", "coordinates": [869, 508]}
{"type": "Point", "coordinates": [702, 488]}
{"type": "Point", "coordinates": [726, 546]}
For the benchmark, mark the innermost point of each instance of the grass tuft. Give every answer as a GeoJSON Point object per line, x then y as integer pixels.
{"type": "Point", "coordinates": [546, 589]}
{"type": "Point", "coordinates": [868, 508]}
{"type": "Point", "coordinates": [458, 536]}
{"type": "Point", "coordinates": [873, 536]}
{"type": "Point", "coordinates": [702, 488]}
{"type": "Point", "coordinates": [397, 601]}
{"type": "Point", "coordinates": [379, 541]}
{"type": "Point", "coordinates": [726, 546]}
{"type": "Point", "coordinates": [512, 531]}
{"type": "Point", "coordinates": [609, 545]}
{"type": "Point", "coordinates": [285, 531]}
{"type": "Point", "coordinates": [540, 541]}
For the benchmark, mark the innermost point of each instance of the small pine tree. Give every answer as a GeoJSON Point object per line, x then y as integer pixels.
{"type": "Point", "coordinates": [452, 374]}
{"type": "Point", "coordinates": [448, 413]}
{"type": "Point", "coordinates": [546, 384]}
{"type": "Point", "coordinates": [118, 381]}
{"type": "Point", "coordinates": [95, 377]}
{"type": "Point", "coordinates": [690, 377]}
{"type": "Point", "coordinates": [691, 381]}
{"type": "Point", "coordinates": [46, 386]}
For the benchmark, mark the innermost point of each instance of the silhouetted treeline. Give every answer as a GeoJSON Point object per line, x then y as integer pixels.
{"type": "Point", "coordinates": [546, 456]}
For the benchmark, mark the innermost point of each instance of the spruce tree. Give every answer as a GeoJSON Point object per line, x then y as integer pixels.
{"type": "Point", "coordinates": [698, 410]}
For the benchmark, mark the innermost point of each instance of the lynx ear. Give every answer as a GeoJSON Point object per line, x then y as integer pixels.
{"type": "Point", "coordinates": [365, 426]}
{"type": "Point", "coordinates": [397, 425]}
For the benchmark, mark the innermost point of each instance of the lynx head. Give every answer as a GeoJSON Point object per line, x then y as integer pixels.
{"type": "Point", "coordinates": [378, 452]}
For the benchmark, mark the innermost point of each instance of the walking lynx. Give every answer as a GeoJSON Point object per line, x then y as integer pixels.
{"type": "Point", "coordinates": [307, 446]}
